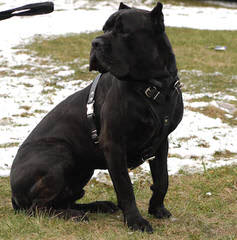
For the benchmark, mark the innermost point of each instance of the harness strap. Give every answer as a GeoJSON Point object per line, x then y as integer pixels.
{"type": "Point", "coordinates": [152, 93]}
{"type": "Point", "coordinates": [90, 110]}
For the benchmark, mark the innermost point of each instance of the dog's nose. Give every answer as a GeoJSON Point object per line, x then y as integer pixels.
{"type": "Point", "coordinates": [97, 42]}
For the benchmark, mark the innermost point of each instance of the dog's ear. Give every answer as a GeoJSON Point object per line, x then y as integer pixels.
{"type": "Point", "coordinates": [123, 6]}
{"type": "Point", "coordinates": [158, 17]}
{"type": "Point", "coordinates": [157, 10]}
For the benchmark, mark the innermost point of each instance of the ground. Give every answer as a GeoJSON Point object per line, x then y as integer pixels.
{"type": "Point", "coordinates": [36, 74]}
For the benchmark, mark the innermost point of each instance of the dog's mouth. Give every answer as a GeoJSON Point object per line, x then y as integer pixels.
{"type": "Point", "coordinates": [96, 64]}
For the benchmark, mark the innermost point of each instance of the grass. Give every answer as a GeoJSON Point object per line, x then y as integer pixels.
{"type": "Point", "coordinates": [204, 206]}
{"type": "Point", "coordinates": [194, 49]}
{"type": "Point", "coordinates": [24, 115]}
{"type": "Point", "coordinates": [223, 154]}
{"type": "Point", "coordinates": [8, 145]}
{"type": "Point", "coordinates": [214, 112]}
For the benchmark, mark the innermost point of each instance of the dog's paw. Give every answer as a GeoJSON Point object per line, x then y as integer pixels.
{"type": "Point", "coordinates": [139, 224]}
{"type": "Point", "coordinates": [104, 207]}
{"type": "Point", "coordinates": [161, 212]}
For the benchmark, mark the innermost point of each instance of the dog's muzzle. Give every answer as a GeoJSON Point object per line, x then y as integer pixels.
{"type": "Point", "coordinates": [97, 56]}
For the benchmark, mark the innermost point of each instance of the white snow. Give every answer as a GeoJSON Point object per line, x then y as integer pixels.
{"type": "Point", "coordinates": [21, 94]}
{"type": "Point", "coordinates": [201, 18]}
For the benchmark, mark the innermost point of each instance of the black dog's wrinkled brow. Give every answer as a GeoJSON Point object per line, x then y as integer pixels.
{"type": "Point", "coordinates": [110, 22]}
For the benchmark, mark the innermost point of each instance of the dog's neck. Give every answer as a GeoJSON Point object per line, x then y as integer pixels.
{"type": "Point", "coordinates": [163, 81]}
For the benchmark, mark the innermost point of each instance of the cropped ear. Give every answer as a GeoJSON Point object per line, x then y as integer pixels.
{"type": "Point", "coordinates": [123, 6]}
{"type": "Point", "coordinates": [157, 10]}
{"type": "Point", "coordinates": [158, 17]}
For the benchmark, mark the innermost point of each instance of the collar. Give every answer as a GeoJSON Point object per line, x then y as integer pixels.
{"type": "Point", "coordinates": [154, 87]}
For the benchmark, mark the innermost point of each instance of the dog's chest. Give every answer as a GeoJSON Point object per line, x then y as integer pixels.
{"type": "Point", "coordinates": [151, 122]}
{"type": "Point", "coordinates": [142, 126]}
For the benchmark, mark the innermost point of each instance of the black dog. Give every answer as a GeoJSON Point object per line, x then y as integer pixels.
{"type": "Point", "coordinates": [137, 104]}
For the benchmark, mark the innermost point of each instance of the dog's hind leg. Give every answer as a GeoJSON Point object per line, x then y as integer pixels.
{"type": "Point", "coordinates": [47, 195]}
{"type": "Point", "coordinates": [159, 173]}
{"type": "Point", "coordinates": [41, 181]}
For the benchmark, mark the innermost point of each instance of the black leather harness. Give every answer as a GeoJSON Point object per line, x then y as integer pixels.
{"type": "Point", "coordinates": [151, 91]}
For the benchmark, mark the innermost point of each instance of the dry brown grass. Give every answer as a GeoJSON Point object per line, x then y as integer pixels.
{"type": "Point", "coordinates": [214, 112]}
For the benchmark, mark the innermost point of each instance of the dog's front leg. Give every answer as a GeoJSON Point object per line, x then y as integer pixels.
{"type": "Point", "coordinates": [159, 173]}
{"type": "Point", "coordinates": [116, 160]}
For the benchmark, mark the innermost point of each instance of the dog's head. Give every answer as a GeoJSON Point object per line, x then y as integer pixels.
{"type": "Point", "coordinates": [134, 44]}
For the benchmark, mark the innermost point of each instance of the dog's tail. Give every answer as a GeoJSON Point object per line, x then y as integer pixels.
{"type": "Point", "coordinates": [28, 10]}
{"type": "Point", "coordinates": [14, 205]}
{"type": "Point", "coordinates": [24, 203]}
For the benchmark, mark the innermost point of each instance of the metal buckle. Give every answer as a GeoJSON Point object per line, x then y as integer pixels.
{"type": "Point", "coordinates": [166, 120]}
{"type": "Point", "coordinates": [94, 136]}
{"type": "Point", "coordinates": [90, 109]}
{"type": "Point", "coordinates": [149, 91]}
{"type": "Point", "coordinates": [178, 85]}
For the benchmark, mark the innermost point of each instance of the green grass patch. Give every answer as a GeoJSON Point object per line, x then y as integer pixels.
{"type": "Point", "coordinates": [204, 206]}
{"type": "Point", "coordinates": [194, 49]}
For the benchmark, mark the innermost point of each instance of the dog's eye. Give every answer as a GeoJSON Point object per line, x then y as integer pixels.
{"type": "Point", "coordinates": [119, 28]}
{"type": "Point", "coordinates": [122, 32]}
